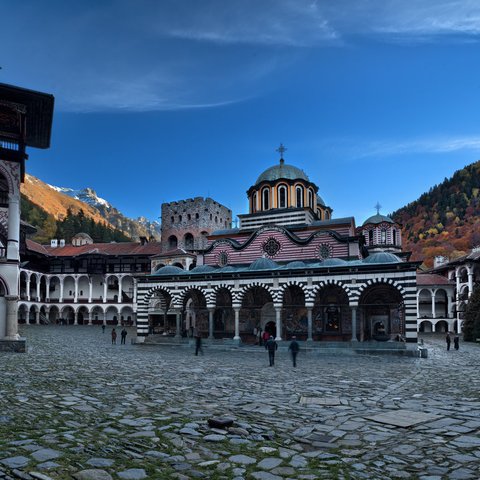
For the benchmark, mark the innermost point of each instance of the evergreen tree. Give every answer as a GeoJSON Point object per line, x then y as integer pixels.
{"type": "Point", "coordinates": [471, 323]}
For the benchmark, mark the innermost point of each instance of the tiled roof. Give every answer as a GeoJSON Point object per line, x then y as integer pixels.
{"type": "Point", "coordinates": [432, 279]}
{"type": "Point", "coordinates": [36, 247]}
{"type": "Point", "coordinates": [177, 252]}
{"type": "Point", "coordinates": [121, 248]}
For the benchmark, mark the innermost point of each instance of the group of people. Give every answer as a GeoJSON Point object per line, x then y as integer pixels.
{"type": "Point", "coordinates": [123, 335]}
{"type": "Point", "coordinates": [271, 346]}
{"type": "Point", "coordinates": [456, 341]}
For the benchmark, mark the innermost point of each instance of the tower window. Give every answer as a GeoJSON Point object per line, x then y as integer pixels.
{"type": "Point", "coordinates": [394, 237]}
{"type": "Point", "coordinates": [383, 236]}
{"type": "Point", "coordinates": [299, 192]}
{"type": "Point", "coordinates": [265, 199]}
{"type": "Point", "coordinates": [370, 237]}
{"type": "Point", "coordinates": [282, 196]}
{"type": "Point", "coordinates": [310, 199]}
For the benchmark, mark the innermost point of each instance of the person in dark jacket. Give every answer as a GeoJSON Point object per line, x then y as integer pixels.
{"type": "Point", "coordinates": [123, 335]}
{"type": "Point", "coordinates": [448, 339]}
{"type": "Point", "coordinates": [271, 346]}
{"type": "Point", "coordinates": [456, 340]}
{"type": "Point", "coordinates": [294, 348]}
{"type": "Point", "coordinates": [198, 343]}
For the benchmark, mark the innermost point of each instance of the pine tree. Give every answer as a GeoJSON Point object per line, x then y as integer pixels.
{"type": "Point", "coordinates": [471, 323]}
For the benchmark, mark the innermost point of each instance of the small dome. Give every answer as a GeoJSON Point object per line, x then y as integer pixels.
{"type": "Point", "coordinates": [169, 270]}
{"type": "Point", "coordinates": [296, 264]}
{"type": "Point", "coordinates": [333, 262]}
{"type": "Point", "coordinates": [382, 257]}
{"type": "Point", "coordinates": [202, 269]}
{"type": "Point", "coordinates": [378, 218]}
{"type": "Point", "coordinates": [282, 170]}
{"type": "Point", "coordinates": [227, 268]}
{"type": "Point", "coordinates": [263, 264]}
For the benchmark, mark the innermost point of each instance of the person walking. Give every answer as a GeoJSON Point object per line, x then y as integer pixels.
{"type": "Point", "coordinates": [123, 335]}
{"type": "Point", "coordinates": [448, 339]}
{"type": "Point", "coordinates": [198, 343]}
{"type": "Point", "coordinates": [294, 348]}
{"type": "Point", "coordinates": [114, 336]}
{"type": "Point", "coordinates": [271, 345]}
{"type": "Point", "coordinates": [103, 328]}
{"type": "Point", "coordinates": [259, 337]}
{"type": "Point", "coordinates": [456, 340]}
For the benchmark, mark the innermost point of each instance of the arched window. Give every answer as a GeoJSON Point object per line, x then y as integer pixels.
{"type": "Point", "coordinates": [172, 219]}
{"type": "Point", "coordinates": [310, 198]}
{"type": "Point", "coordinates": [188, 240]}
{"type": "Point", "coordinates": [254, 202]}
{"type": "Point", "coordinates": [179, 218]}
{"type": "Point", "coordinates": [383, 236]}
{"type": "Point", "coordinates": [370, 237]}
{"type": "Point", "coordinates": [172, 242]}
{"type": "Point", "coordinates": [282, 196]}
{"type": "Point", "coordinates": [265, 199]}
{"type": "Point", "coordinates": [299, 194]}
{"type": "Point", "coordinates": [394, 237]}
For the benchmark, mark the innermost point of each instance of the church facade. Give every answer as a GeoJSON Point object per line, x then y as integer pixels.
{"type": "Point", "coordinates": [288, 269]}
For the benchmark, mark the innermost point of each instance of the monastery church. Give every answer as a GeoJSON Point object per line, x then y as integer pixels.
{"type": "Point", "coordinates": [288, 269]}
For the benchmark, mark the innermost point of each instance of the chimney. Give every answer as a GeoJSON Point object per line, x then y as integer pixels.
{"type": "Point", "coordinates": [143, 240]}
{"type": "Point", "coordinates": [439, 260]}
{"type": "Point", "coordinates": [62, 242]}
{"type": "Point", "coordinates": [54, 243]}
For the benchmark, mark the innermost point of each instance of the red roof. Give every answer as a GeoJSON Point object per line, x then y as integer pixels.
{"type": "Point", "coordinates": [122, 248]}
{"type": "Point", "coordinates": [432, 279]}
{"type": "Point", "coordinates": [176, 252]}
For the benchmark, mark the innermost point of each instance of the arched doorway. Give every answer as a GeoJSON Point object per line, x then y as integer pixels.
{"type": "Point", "coordinates": [257, 311]}
{"type": "Point", "coordinates": [332, 319]}
{"type": "Point", "coordinates": [159, 321]}
{"type": "Point", "coordinates": [294, 313]}
{"type": "Point", "coordinates": [223, 316]}
{"type": "Point", "coordinates": [382, 315]}
{"type": "Point", "coordinates": [195, 314]}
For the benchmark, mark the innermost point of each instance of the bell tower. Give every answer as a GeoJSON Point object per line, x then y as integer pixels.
{"type": "Point", "coordinates": [25, 120]}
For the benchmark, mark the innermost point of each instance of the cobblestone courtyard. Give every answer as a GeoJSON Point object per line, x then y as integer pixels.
{"type": "Point", "coordinates": [76, 406]}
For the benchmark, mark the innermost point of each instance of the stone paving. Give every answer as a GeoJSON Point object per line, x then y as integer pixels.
{"type": "Point", "coordinates": [75, 406]}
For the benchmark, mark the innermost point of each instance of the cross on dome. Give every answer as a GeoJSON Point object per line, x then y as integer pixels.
{"type": "Point", "coordinates": [378, 207]}
{"type": "Point", "coordinates": [281, 150]}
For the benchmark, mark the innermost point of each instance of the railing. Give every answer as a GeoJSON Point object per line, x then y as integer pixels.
{"type": "Point", "coordinates": [9, 145]}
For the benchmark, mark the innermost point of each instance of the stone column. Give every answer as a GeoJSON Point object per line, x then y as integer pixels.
{"type": "Point", "coordinates": [178, 318]}
{"type": "Point", "coordinates": [354, 324]}
{"type": "Point", "coordinates": [105, 282]}
{"type": "Point", "coordinates": [309, 324]}
{"type": "Point", "coordinates": [104, 318]}
{"type": "Point", "coordinates": [12, 318]}
{"type": "Point", "coordinates": [28, 288]}
{"type": "Point", "coordinates": [449, 306]}
{"type": "Point", "coordinates": [47, 286]}
{"type": "Point", "coordinates": [13, 228]}
{"type": "Point", "coordinates": [211, 311]}
{"type": "Point", "coordinates": [75, 317]}
{"type": "Point", "coordinates": [278, 322]}
{"type": "Point", "coordinates": [237, 324]}
{"type": "Point", "coordinates": [75, 291]}
{"type": "Point", "coordinates": [470, 281]}
{"type": "Point", "coordinates": [62, 280]}
{"type": "Point", "coordinates": [120, 289]}
{"type": "Point", "coordinates": [89, 318]}
{"type": "Point", "coordinates": [90, 290]}
{"type": "Point", "coordinates": [37, 317]}
{"type": "Point", "coordinates": [432, 294]}
{"type": "Point", "coordinates": [38, 290]}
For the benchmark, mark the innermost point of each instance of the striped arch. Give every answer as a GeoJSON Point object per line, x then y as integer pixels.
{"type": "Point", "coordinates": [274, 293]}
{"type": "Point", "coordinates": [329, 283]}
{"type": "Point", "coordinates": [212, 296]}
{"type": "Point", "coordinates": [3, 287]}
{"type": "Point", "coordinates": [143, 304]}
{"type": "Point", "coordinates": [189, 289]}
{"type": "Point", "coordinates": [293, 283]}
{"type": "Point", "coordinates": [12, 188]}
{"type": "Point", "coordinates": [380, 281]}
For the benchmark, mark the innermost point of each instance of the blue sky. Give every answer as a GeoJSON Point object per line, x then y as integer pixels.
{"type": "Point", "coordinates": [163, 100]}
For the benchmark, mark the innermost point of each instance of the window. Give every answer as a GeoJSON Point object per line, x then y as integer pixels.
{"type": "Point", "coordinates": [189, 217]}
{"type": "Point", "coordinates": [179, 218]}
{"type": "Point", "coordinates": [254, 202]}
{"type": "Point", "coordinates": [310, 198]}
{"type": "Point", "coordinates": [394, 237]}
{"type": "Point", "coordinates": [265, 199]}
{"type": "Point", "coordinates": [197, 216]}
{"type": "Point", "coordinates": [370, 237]}
{"type": "Point", "coordinates": [222, 259]}
{"type": "Point", "coordinates": [324, 251]}
{"type": "Point", "coordinates": [383, 236]}
{"type": "Point", "coordinates": [172, 242]}
{"type": "Point", "coordinates": [299, 192]}
{"type": "Point", "coordinates": [172, 219]}
{"type": "Point", "coordinates": [282, 196]}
